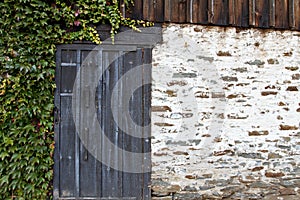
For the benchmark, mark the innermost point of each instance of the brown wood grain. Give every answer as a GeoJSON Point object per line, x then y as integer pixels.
{"type": "Point", "coordinates": [297, 14]}
{"type": "Point", "coordinates": [200, 11]}
{"type": "Point", "coordinates": [148, 10]}
{"type": "Point", "coordinates": [281, 14]}
{"type": "Point", "coordinates": [272, 11]}
{"type": "Point", "coordinates": [252, 12]}
{"type": "Point", "coordinates": [174, 11]}
{"type": "Point", "coordinates": [220, 12]}
{"type": "Point", "coordinates": [262, 13]}
{"type": "Point", "coordinates": [242, 19]}
{"type": "Point", "coordinates": [182, 11]}
{"type": "Point", "coordinates": [167, 9]}
{"type": "Point", "coordinates": [159, 11]}
{"type": "Point", "coordinates": [233, 10]}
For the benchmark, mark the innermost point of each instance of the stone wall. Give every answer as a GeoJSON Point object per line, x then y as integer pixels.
{"type": "Point", "coordinates": [225, 114]}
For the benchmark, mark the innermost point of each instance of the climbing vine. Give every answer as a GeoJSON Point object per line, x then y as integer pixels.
{"type": "Point", "coordinates": [29, 33]}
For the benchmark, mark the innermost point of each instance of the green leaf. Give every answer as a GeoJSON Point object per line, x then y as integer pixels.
{"type": "Point", "coordinates": [3, 155]}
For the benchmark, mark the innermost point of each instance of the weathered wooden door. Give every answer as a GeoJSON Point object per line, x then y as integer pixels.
{"type": "Point", "coordinates": [100, 165]}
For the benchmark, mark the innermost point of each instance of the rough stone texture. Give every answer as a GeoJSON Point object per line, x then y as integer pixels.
{"type": "Point", "coordinates": [226, 110]}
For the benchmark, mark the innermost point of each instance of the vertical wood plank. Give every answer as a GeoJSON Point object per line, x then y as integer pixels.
{"type": "Point", "coordinates": [178, 11]}
{"type": "Point", "coordinates": [167, 7]}
{"type": "Point", "coordinates": [68, 177]}
{"type": "Point", "coordinates": [199, 11]}
{"type": "Point", "coordinates": [297, 14]}
{"type": "Point", "coordinates": [203, 10]}
{"type": "Point", "coordinates": [136, 112]}
{"type": "Point", "coordinates": [210, 11]}
{"type": "Point", "coordinates": [159, 11]}
{"type": "Point", "coordinates": [146, 9]}
{"type": "Point", "coordinates": [262, 13]}
{"type": "Point", "coordinates": [252, 12]}
{"type": "Point", "coordinates": [189, 11]}
{"type": "Point", "coordinates": [100, 105]}
{"type": "Point", "coordinates": [132, 144]}
{"type": "Point", "coordinates": [281, 14]}
{"type": "Point", "coordinates": [87, 163]}
{"type": "Point", "coordinates": [195, 11]}
{"type": "Point", "coordinates": [241, 13]}
{"type": "Point", "coordinates": [151, 6]}
{"type": "Point", "coordinates": [232, 9]}
{"type": "Point", "coordinates": [220, 13]}
{"type": "Point", "coordinates": [88, 169]}
{"type": "Point", "coordinates": [174, 11]}
{"type": "Point", "coordinates": [147, 120]}
{"type": "Point", "coordinates": [77, 139]}
{"type": "Point", "coordinates": [115, 134]}
{"type": "Point", "coordinates": [67, 150]}
{"type": "Point", "coordinates": [111, 178]}
{"type": "Point", "coordinates": [244, 16]}
{"type": "Point", "coordinates": [272, 13]}
{"type": "Point", "coordinates": [292, 14]}
{"type": "Point", "coordinates": [106, 182]}
{"type": "Point", "coordinates": [182, 11]}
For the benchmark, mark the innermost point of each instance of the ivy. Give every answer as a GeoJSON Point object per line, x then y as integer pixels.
{"type": "Point", "coordinates": [29, 33]}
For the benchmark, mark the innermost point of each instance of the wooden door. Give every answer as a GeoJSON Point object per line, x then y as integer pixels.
{"type": "Point", "coordinates": [79, 172]}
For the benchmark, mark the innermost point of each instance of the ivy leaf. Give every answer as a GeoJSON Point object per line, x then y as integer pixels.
{"type": "Point", "coordinates": [3, 155]}
{"type": "Point", "coordinates": [8, 142]}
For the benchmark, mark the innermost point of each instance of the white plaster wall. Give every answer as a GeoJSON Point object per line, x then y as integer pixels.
{"type": "Point", "coordinates": [226, 113]}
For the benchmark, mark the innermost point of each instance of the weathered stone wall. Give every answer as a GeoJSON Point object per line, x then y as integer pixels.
{"type": "Point", "coordinates": [225, 114]}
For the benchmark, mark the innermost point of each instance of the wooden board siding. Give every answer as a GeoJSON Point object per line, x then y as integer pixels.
{"type": "Point", "coordinates": [199, 12]}
{"type": "Point", "coordinates": [240, 13]}
{"type": "Point", "coordinates": [279, 14]}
